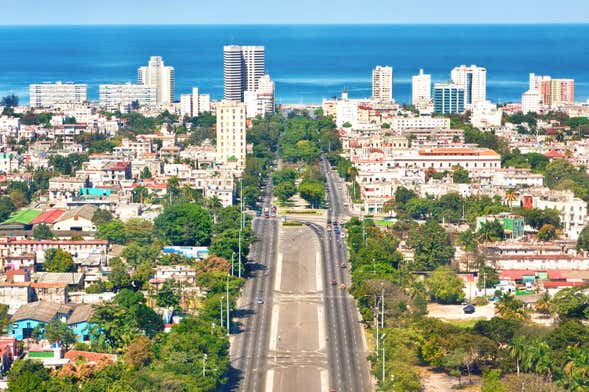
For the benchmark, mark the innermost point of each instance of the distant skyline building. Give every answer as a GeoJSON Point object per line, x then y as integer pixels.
{"type": "Point", "coordinates": [421, 88]}
{"type": "Point", "coordinates": [243, 66]}
{"type": "Point", "coordinates": [157, 74]}
{"type": "Point", "coordinates": [553, 91]}
{"type": "Point", "coordinates": [194, 104]}
{"type": "Point", "coordinates": [48, 94]}
{"type": "Point", "coordinates": [382, 83]}
{"type": "Point", "coordinates": [122, 97]}
{"type": "Point", "coordinates": [448, 98]}
{"type": "Point", "coordinates": [473, 80]}
{"type": "Point", "coordinates": [261, 101]}
{"type": "Point", "coordinates": [231, 132]}
{"type": "Point", "coordinates": [531, 101]}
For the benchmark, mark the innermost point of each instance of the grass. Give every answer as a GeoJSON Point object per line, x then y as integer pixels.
{"type": "Point", "coordinates": [289, 223]}
{"type": "Point", "coordinates": [464, 324]}
{"type": "Point", "coordinates": [309, 212]}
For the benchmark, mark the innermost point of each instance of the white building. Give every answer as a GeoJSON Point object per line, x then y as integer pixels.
{"type": "Point", "coordinates": [261, 101]}
{"type": "Point", "coordinates": [425, 122]}
{"type": "Point", "coordinates": [49, 94]}
{"type": "Point", "coordinates": [473, 80]}
{"type": "Point", "coordinates": [243, 66]}
{"type": "Point", "coordinates": [531, 101]}
{"type": "Point", "coordinates": [231, 127]}
{"type": "Point", "coordinates": [192, 105]}
{"type": "Point", "coordinates": [421, 88]}
{"type": "Point", "coordinates": [124, 96]}
{"type": "Point", "coordinates": [486, 115]}
{"type": "Point", "coordinates": [382, 83]}
{"type": "Point", "coordinates": [156, 74]}
{"type": "Point", "coordinates": [573, 211]}
{"type": "Point", "coordinates": [440, 159]}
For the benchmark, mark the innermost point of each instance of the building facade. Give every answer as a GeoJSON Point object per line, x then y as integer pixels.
{"type": "Point", "coordinates": [421, 88]}
{"type": "Point", "coordinates": [473, 81]}
{"type": "Point", "coordinates": [382, 83]}
{"type": "Point", "coordinates": [448, 98]}
{"type": "Point", "coordinates": [261, 101]}
{"type": "Point", "coordinates": [243, 66]}
{"type": "Point", "coordinates": [159, 76]}
{"type": "Point", "coordinates": [231, 126]}
{"type": "Point", "coordinates": [49, 94]}
{"type": "Point", "coordinates": [124, 96]}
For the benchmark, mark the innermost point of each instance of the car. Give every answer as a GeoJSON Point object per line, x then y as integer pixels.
{"type": "Point", "coordinates": [260, 300]}
{"type": "Point", "coordinates": [343, 265]}
{"type": "Point", "coordinates": [469, 309]}
{"type": "Point", "coordinates": [333, 282]}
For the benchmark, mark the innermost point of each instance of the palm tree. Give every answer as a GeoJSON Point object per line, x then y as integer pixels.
{"type": "Point", "coordinates": [539, 358]}
{"type": "Point", "coordinates": [576, 369]}
{"type": "Point", "coordinates": [510, 196]}
{"type": "Point", "coordinates": [517, 350]}
{"type": "Point", "coordinates": [511, 308]}
{"type": "Point", "coordinates": [543, 305]}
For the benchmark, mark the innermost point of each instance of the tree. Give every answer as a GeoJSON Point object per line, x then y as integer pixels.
{"type": "Point", "coordinates": [511, 308]}
{"type": "Point", "coordinates": [10, 101]}
{"type": "Point", "coordinates": [6, 208]}
{"type": "Point", "coordinates": [491, 231]}
{"type": "Point", "coordinates": [312, 191]}
{"type": "Point", "coordinates": [58, 260]}
{"type": "Point", "coordinates": [139, 230]}
{"type": "Point", "coordinates": [43, 232]}
{"type": "Point", "coordinates": [185, 224]}
{"type": "Point", "coordinates": [136, 254]}
{"type": "Point", "coordinates": [101, 217]}
{"type": "Point", "coordinates": [59, 332]}
{"type": "Point", "coordinates": [27, 376]}
{"type": "Point", "coordinates": [547, 233]}
{"type": "Point", "coordinates": [543, 305]}
{"type": "Point", "coordinates": [583, 240]}
{"type": "Point", "coordinates": [119, 275]}
{"type": "Point", "coordinates": [169, 295]}
{"type": "Point", "coordinates": [113, 231]}
{"type": "Point", "coordinates": [460, 176]}
{"type": "Point", "coordinates": [571, 303]}
{"type": "Point", "coordinates": [445, 287]}
{"type": "Point", "coordinates": [19, 199]}
{"type": "Point", "coordinates": [432, 246]}
{"type": "Point", "coordinates": [285, 190]}
{"type": "Point", "coordinates": [139, 353]}
{"type": "Point", "coordinates": [145, 173]}
{"type": "Point", "coordinates": [488, 277]}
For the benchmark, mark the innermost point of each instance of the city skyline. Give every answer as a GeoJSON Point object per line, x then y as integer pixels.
{"type": "Point", "coordinates": [63, 12]}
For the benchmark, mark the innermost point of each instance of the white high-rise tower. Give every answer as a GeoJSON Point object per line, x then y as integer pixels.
{"type": "Point", "coordinates": [243, 68]}
{"type": "Point", "coordinates": [382, 83]}
{"type": "Point", "coordinates": [231, 126]}
{"type": "Point", "coordinates": [157, 74]}
{"type": "Point", "coordinates": [421, 88]}
{"type": "Point", "coordinates": [473, 80]}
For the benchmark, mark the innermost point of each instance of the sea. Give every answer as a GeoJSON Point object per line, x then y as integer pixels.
{"type": "Point", "coordinates": [307, 62]}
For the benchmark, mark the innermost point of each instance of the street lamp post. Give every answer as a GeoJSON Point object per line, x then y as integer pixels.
{"type": "Point", "coordinates": [228, 314]}
{"type": "Point", "coordinates": [232, 264]}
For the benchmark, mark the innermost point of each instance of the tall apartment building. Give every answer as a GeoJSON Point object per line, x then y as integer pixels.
{"type": "Point", "coordinates": [421, 87]}
{"type": "Point", "coordinates": [156, 74]}
{"type": "Point", "coordinates": [448, 98]}
{"type": "Point", "coordinates": [553, 91]}
{"type": "Point", "coordinates": [124, 96]}
{"type": "Point", "coordinates": [49, 94]}
{"type": "Point", "coordinates": [231, 127]}
{"type": "Point", "coordinates": [261, 101]}
{"type": "Point", "coordinates": [243, 66]}
{"type": "Point", "coordinates": [473, 81]}
{"type": "Point", "coordinates": [382, 83]}
{"type": "Point", "coordinates": [192, 105]}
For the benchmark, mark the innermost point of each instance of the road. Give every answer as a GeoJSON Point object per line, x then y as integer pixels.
{"type": "Point", "coordinates": [250, 339]}
{"type": "Point", "coordinates": [348, 366]}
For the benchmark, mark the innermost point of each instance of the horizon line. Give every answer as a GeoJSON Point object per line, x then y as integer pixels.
{"type": "Point", "coordinates": [487, 23]}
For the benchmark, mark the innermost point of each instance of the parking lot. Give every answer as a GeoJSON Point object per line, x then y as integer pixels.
{"type": "Point", "coordinates": [455, 312]}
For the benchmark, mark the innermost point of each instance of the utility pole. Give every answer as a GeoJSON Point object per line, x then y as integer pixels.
{"type": "Point", "coordinates": [222, 317]}
{"type": "Point", "coordinates": [228, 314]}
{"type": "Point", "coordinates": [382, 306]}
{"type": "Point", "coordinates": [383, 363]}
{"type": "Point", "coordinates": [377, 331]}
{"type": "Point", "coordinates": [232, 257]}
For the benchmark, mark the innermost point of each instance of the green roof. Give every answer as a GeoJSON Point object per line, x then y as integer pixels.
{"type": "Point", "coordinates": [23, 217]}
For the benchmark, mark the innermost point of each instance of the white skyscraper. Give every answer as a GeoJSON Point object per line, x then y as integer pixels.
{"type": "Point", "coordinates": [473, 80]}
{"type": "Point", "coordinates": [49, 94]}
{"type": "Point", "coordinates": [124, 96]}
{"type": "Point", "coordinates": [421, 86]}
{"type": "Point", "coordinates": [261, 101]}
{"type": "Point", "coordinates": [382, 83]}
{"type": "Point", "coordinates": [157, 74]}
{"type": "Point", "coordinates": [192, 105]}
{"type": "Point", "coordinates": [231, 144]}
{"type": "Point", "coordinates": [243, 66]}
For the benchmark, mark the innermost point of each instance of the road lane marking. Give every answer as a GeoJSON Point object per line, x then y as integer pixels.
{"type": "Point", "coordinates": [321, 321]}
{"type": "Point", "coordinates": [269, 381]}
{"type": "Point", "coordinates": [324, 381]}
{"type": "Point", "coordinates": [318, 274]}
{"type": "Point", "coordinates": [274, 328]}
{"type": "Point", "coordinates": [278, 273]}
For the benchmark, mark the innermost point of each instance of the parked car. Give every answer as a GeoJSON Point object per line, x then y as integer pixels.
{"type": "Point", "coordinates": [469, 309]}
{"type": "Point", "coordinates": [260, 300]}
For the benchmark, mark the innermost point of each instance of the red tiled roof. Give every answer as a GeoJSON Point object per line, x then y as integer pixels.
{"type": "Point", "coordinates": [549, 285]}
{"type": "Point", "coordinates": [553, 154]}
{"type": "Point", "coordinates": [49, 216]}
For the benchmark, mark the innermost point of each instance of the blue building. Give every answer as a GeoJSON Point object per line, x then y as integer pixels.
{"type": "Point", "coordinates": [448, 98]}
{"type": "Point", "coordinates": [39, 314]}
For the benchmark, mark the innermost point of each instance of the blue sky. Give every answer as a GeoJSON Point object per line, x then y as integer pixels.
{"type": "Point", "coordinates": [291, 11]}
